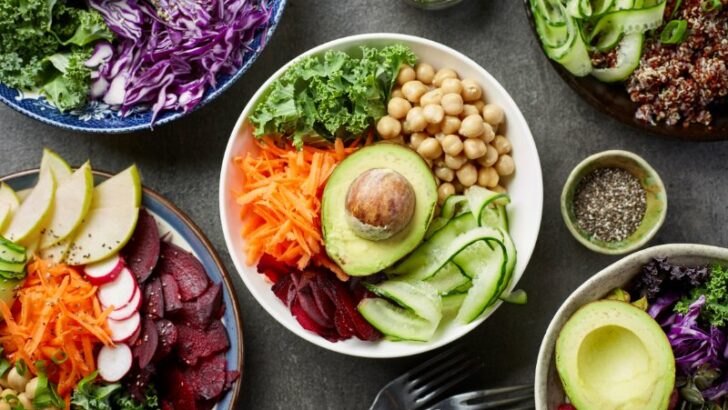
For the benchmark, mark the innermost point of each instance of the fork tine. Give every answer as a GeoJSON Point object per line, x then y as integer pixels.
{"type": "Point", "coordinates": [497, 404]}
{"type": "Point", "coordinates": [442, 383]}
{"type": "Point", "coordinates": [486, 393]}
{"type": "Point", "coordinates": [434, 361]}
{"type": "Point", "coordinates": [434, 371]}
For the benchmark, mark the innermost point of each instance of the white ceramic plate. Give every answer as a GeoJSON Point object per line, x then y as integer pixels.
{"type": "Point", "coordinates": [525, 188]}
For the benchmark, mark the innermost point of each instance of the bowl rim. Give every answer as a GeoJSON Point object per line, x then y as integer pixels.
{"type": "Point", "coordinates": [227, 162]}
{"type": "Point", "coordinates": [228, 284]}
{"type": "Point", "coordinates": [214, 92]}
{"type": "Point", "coordinates": [546, 350]}
{"type": "Point", "coordinates": [571, 181]}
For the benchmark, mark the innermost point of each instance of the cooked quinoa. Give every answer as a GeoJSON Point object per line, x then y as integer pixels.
{"type": "Point", "coordinates": [677, 84]}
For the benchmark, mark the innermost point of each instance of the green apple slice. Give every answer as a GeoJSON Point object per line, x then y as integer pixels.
{"type": "Point", "coordinates": [56, 253]}
{"type": "Point", "coordinates": [103, 233]}
{"type": "Point", "coordinates": [32, 214]}
{"type": "Point", "coordinates": [122, 190]}
{"type": "Point", "coordinates": [53, 162]}
{"type": "Point", "coordinates": [8, 197]}
{"type": "Point", "coordinates": [72, 202]}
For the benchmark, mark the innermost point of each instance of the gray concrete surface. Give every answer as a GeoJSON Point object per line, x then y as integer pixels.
{"type": "Point", "coordinates": [182, 161]}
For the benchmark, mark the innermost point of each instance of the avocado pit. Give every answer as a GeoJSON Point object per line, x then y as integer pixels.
{"type": "Point", "coordinates": [379, 204]}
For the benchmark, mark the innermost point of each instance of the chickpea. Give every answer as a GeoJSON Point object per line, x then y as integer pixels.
{"type": "Point", "coordinates": [413, 90]}
{"type": "Point", "coordinates": [459, 188]}
{"type": "Point", "coordinates": [430, 148]}
{"type": "Point", "coordinates": [467, 174]}
{"type": "Point", "coordinates": [499, 189]}
{"type": "Point", "coordinates": [425, 72]}
{"type": "Point", "coordinates": [452, 145]}
{"type": "Point", "coordinates": [455, 162]}
{"type": "Point", "coordinates": [388, 127]}
{"type": "Point", "coordinates": [439, 162]}
{"type": "Point", "coordinates": [488, 177]}
{"type": "Point", "coordinates": [471, 90]}
{"type": "Point", "coordinates": [431, 97]}
{"type": "Point", "coordinates": [444, 173]}
{"type": "Point", "coordinates": [505, 165]}
{"type": "Point", "coordinates": [433, 129]}
{"type": "Point", "coordinates": [399, 140]}
{"type": "Point", "coordinates": [416, 121]}
{"type": "Point", "coordinates": [451, 85]}
{"type": "Point", "coordinates": [4, 381]}
{"type": "Point", "coordinates": [397, 93]}
{"type": "Point", "coordinates": [450, 124]}
{"type": "Point", "coordinates": [452, 104]}
{"type": "Point", "coordinates": [25, 401]}
{"type": "Point", "coordinates": [440, 137]}
{"type": "Point", "coordinates": [5, 405]}
{"type": "Point", "coordinates": [406, 73]}
{"type": "Point", "coordinates": [416, 139]}
{"type": "Point", "coordinates": [474, 148]}
{"type": "Point", "coordinates": [8, 392]}
{"type": "Point", "coordinates": [16, 381]}
{"type": "Point", "coordinates": [445, 190]}
{"type": "Point", "coordinates": [433, 113]}
{"type": "Point", "coordinates": [490, 157]}
{"type": "Point", "coordinates": [502, 144]}
{"type": "Point", "coordinates": [488, 132]}
{"type": "Point", "coordinates": [398, 107]}
{"type": "Point", "coordinates": [469, 109]}
{"type": "Point", "coordinates": [442, 74]}
{"type": "Point", "coordinates": [479, 105]}
{"type": "Point", "coordinates": [31, 387]}
{"type": "Point", "coordinates": [472, 126]}
{"type": "Point", "coordinates": [493, 114]}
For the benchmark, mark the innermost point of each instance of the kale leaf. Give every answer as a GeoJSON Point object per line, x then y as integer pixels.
{"type": "Point", "coordinates": [659, 275]}
{"type": "Point", "coordinates": [715, 289]}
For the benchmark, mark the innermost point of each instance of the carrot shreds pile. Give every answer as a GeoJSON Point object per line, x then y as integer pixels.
{"type": "Point", "coordinates": [58, 319]}
{"type": "Point", "coordinates": [281, 202]}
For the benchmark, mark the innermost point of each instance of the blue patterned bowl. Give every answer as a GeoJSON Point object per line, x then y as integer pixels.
{"type": "Point", "coordinates": [184, 233]}
{"type": "Point", "coordinates": [99, 118]}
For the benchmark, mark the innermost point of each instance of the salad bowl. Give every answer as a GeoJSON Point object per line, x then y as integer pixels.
{"type": "Point", "coordinates": [548, 388]}
{"type": "Point", "coordinates": [183, 232]}
{"type": "Point", "coordinates": [525, 189]}
{"type": "Point", "coordinates": [97, 117]}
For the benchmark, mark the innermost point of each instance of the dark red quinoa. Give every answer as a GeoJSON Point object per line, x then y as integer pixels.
{"type": "Point", "coordinates": [677, 84]}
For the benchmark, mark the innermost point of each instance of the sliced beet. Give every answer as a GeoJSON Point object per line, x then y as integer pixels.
{"type": "Point", "coordinates": [220, 311]}
{"type": "Point", "coordinates": [137, 381]}
{"type": "Point", "coordinates": [231, 376]}
{"type": "Point", "coordinates": [170, 291]}
{"type": "Point", "coordinates": [146, 346]}
{"type": "Point", "coordinates": [206, 404]}
{"type": "Point", "coordinates": [208, 376]}
{"type": "Point", "coordinates": [324, 301]}
{"type": "Point", "coordinates": [194, 344]}
{"type": "Point", "coordinates": [142, 250]}
{"type": "Point", "coordinates": [199, 312]}
{"type": "Point", "coordinates": [167, 405]}
{"type": "Point", "coordinates": [344, 325]}
{"type": "Point", "coordinates": [187, 271]}
{"type": "Point", "coordinates": [309, 324]}
{"type": "Point", "coordinates": [167, 332]}
{"type": "Point", "coordinates": [153, 300]}
{"type": "Point", "coordinates": [308, 304]}
{"type": "Point", "coordinates": [344, 301]}
{"type": "Point", "coordinates": [285, 290]}
{"type": "Point", "coordinates": [271, 268]}
{"type": "Point", "coordinates": [179, 391]}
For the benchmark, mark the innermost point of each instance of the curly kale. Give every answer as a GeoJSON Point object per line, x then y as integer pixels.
{"type": "Point", "coordinates": [715, 290]}
{"type": "Point", "coordinates": [92, 395]}
{"type": "Point", "coordinates": [659, 275]}
{"type": "Point", "coordinates": [33, 32]}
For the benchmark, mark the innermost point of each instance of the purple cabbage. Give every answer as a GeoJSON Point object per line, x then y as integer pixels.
{"type": "Point", "coordinates": [169, 52]}
{"type": "Point", "coordinates": [692, 346]}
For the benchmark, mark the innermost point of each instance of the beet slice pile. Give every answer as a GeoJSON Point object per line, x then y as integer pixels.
{"type": "Point", "coordinates": [319, 301]}
{"type": "Point", "coordinates": [182, 342]}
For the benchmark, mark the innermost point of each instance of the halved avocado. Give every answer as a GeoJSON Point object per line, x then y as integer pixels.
{"type": "Point", "coordinates": [376, 207]}
{"type": "Point", "coordinates": [613, 355]}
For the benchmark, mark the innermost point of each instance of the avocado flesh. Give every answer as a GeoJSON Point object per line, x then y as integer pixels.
{"type": "Point", "coordinates": [358, 256]}
{"type": "Point", "coordinates": [612, 355]}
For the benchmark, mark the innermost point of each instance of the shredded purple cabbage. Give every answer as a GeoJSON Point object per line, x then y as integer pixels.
{"type": "Point", "coordinates": [169, 52]}
{"type": "Point", "coordinates": [694, 347]}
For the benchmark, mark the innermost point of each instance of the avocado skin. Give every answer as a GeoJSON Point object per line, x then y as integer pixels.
{"type": "Point", "coordinates": [601, 317]}
{"type": "Point", "coordinates": [358, 256]}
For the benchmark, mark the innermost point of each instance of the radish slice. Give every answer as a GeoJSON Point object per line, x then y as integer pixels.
{"type": "Point", "coordinates": [118, 292]}
{"type": "Point", "coordinates": [127, 311]}
{"type": "Point", "coordinates": [104, 271]}
{"type": "Point", "coordinates": [114, 362]}
{"type": "Point", "coordinates": [123, 330]}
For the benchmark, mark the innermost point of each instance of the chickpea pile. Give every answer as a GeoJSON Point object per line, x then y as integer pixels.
{"type": "Point", "coordinates": [20, 388]}
{"type": "Point", "coordinates": [447, 122]}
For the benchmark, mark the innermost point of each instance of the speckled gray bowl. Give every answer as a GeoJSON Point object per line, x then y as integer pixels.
{"type": "Point", "coordinates": [549, 393]}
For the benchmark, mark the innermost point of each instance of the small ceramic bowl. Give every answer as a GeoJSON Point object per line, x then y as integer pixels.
{"type": "Point", "coordinates": [548, 389]}
{"type": "Point", "coordinates": [652, 184]}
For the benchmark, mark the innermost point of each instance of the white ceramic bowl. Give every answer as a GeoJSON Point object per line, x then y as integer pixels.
{"type": "Point", "coordinates": [525, 187]}
{"type": "Point", "coordinates": [548, 389]}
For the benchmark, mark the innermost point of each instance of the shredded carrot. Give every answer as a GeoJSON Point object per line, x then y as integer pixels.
{"type": "Point", "coordinates": [281, 202]}
{"type": "Point", "coordinates": [56, 319]}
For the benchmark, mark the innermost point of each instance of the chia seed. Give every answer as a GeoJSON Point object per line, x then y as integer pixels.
{"type": "Point", "coordinates": [609, 204]}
